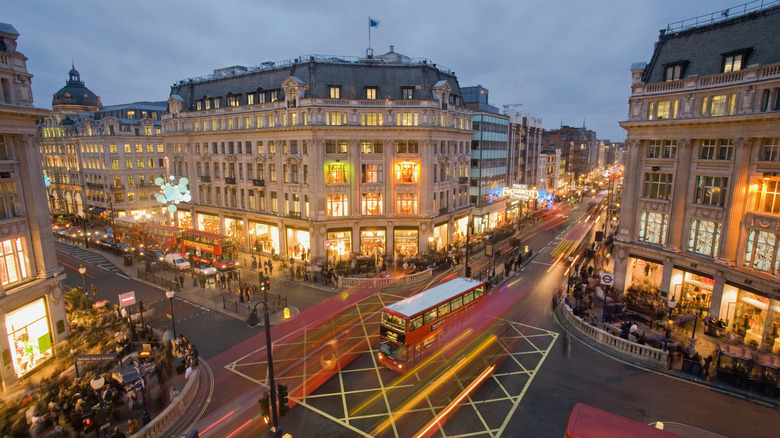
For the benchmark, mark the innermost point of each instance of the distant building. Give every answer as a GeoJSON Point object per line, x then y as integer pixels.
{"type": "Point", "coordinates": [700, 217]}
{"type": "Point", "coordinates": [525, 137]}
{"type": "Point", "coordinates": [102, 160]}
{"type": "Point", "coordinates": [32, 309]}
{"type": "Point", "coordinates": [579, 154]}
{"type": "Point", "coordinates": [321, 156]}
{"type": "Point", "coordinates": [489, 160]}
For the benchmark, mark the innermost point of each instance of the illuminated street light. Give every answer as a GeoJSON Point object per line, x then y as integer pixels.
{"type": "Point", "coordinates": [82, 271]}
{"type": "Point", "coordinates": [253, 321]}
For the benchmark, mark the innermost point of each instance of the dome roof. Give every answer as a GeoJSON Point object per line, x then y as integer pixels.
{"type": "Point", "coordinates": [75, 95]}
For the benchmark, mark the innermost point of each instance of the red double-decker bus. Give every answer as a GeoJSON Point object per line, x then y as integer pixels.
{"type": "Point", "coordinates": [162, 236]}
{"type": "Point", "coordinates": [409, 328]}
{"type": "Point", "coordinates": [214, 249]}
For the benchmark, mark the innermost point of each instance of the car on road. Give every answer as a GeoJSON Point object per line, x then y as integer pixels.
{"type": "Point", "coordinates": [139, 252]}
{"type": "Point", "coordinates": [175, 260]}
{"type": "Point", "coordinates": [124, 248]}
{"type": "Point", "coordinates": [203, 268]}
{"type": "Point", "coordinates": [155, 255]}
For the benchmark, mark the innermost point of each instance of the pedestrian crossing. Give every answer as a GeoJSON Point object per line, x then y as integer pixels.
{"type": "Point", "coordinates": [90, 257]}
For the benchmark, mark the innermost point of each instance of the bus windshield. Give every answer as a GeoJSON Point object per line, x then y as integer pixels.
{"type": "Point", "coordinates": [394, 321]}
{"type": "Point", "coordinates": [394, 351]}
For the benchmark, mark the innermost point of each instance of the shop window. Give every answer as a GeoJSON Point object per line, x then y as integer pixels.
{"type": "Point", "coordinates": [653, 227]}
{"type": "Point", "coordinates": [372, 173]}
{"type": "Point", "coordinates": [761, 251]}
{"type": "Point", "coordinates": [371, 204]}
{"type": "Point", "coordinates": [704, 237]}
{"type": "Point", "coordinates": [406, 172]}
{"type": "Point", "coordinates": [336, 173]}
{"type": "Point", "coordinates": [770, 149]}
{"type": "Point", "coordinates": [28, 336]}
{"type": "Point", "coordinates": [337, 205]}
{"type": "Point", "coordinates": [406, 203]}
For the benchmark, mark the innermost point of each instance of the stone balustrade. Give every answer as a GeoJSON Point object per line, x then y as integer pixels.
{"type": "Point", "coordinates": [160, 425]}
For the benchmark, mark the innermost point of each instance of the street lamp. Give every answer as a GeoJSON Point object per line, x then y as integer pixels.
{"type": "Point", "coordinates": [97, 384]}
{"type": "Point", "coordinates": [170, 294]}
{"type": "Point", "coordinates": [672, 304]}
{"type": "Point", "coordinates": [82, 271]}
{"type": "Point", "coordinates": [430, 243]}
{"type": "Point", "coordinates": [253, 321]}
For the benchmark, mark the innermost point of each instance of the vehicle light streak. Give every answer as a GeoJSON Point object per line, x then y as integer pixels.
{"type": "Point", "coordinates": [438, 418]}
{"type": "Point", "coordinates": [408, 375]}
{"type": "Point", "coordinates": [239, 428]}
{"type": "Point", "coordinates": [217, 422]}
{"type": "Point", "coordinates": [442, 379]}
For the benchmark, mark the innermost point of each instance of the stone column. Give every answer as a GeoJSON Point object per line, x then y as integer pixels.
{"type": "Point", "coordinates": [627, 229]}
{"type": "Point", "coordinates": [666, 279]}
{"type": "Point", "coordinates": [717, 295]}
{"type": "Point", "coordinates": [735, 207]}
{"type": "Point", "coordinates": [680, 194]}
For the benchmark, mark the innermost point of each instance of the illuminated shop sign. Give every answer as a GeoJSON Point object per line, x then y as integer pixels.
{"type": "Point", "coordinates": [521, 192]}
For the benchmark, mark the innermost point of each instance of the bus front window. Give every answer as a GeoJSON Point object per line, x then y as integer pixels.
{"type": "Point", "coordinates": [394, 351]}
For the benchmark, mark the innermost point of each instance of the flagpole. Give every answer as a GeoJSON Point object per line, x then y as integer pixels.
{"type": "Point", "coordinates": [369, 34]}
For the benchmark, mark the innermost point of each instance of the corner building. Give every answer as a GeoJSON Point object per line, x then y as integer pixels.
{"type": "Point", "coordinates": [324, 156]}
{"type": "Point", "coordinates": [701, 203]}
{"type": "Point", "coordinates": [32, 309]}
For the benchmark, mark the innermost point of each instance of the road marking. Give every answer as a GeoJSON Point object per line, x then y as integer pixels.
{"type": "Point", "coordinates": [541, 263]}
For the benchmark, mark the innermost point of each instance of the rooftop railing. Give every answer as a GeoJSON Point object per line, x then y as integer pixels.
{"type": "Point", "coordinates": [722, 15]}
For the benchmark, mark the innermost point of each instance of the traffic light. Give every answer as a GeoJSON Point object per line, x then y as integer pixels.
{"type": "Point", "coordinates": [267, 284]}
{"type": "Point", "coordinates": [281, 391]}
{"type": "Point", "coordinates": [140, 306]}
{"type": "Point", "coordinates": [87, 423]}
{"type": "Point", "coordinates": [265, 407]}
{"type": "Point", "coordinates": [468, 271]}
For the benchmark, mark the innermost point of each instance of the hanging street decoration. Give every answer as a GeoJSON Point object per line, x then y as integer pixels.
{"type": "Point", "coordinates": [172, 193]}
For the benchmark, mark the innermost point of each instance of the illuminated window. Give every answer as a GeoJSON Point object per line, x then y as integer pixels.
{"type": "Point", "coordinates": [653, 227]}
{"type": "Point", "coordinates": [130, 114]}
{"type": "Point", "coordinates": [232, 100]}
{"type": "Point", "coordinates": [139, 164]}
{"type": "Point", "coordinates": [704, 237]}
{"type": "Point", "coordinates": [711, 190]}
{"type": "Point", "coordinates": [127, 148]}
{"type": "Point", "coordinates": [272, 172]}
{"type": "Point", "coordinates": [406, 172]}
{"type": "Point", "coordinates": [147, 130]}
{"type": "Point", "coordinates": [371, 119]}
{"type": "Point", "coordinates": [371, 146]}
{"type": "Point", "coordinates": [768, 196]}
{"type": "Point", "coordinates": [761, 251]}
{"type": "Point", "coordinates": [335, 118]}
{"type": "Point", "coordinates": [733, 62]}
{"type": "Point", "coordinates": [250, 99]}
{"type": "Point", "coordinates": [674, 72]}
{"type": "Point", "coordinates": [371, 204]}
{"type": "Point", "coordinates": [406, 203]}
{"type": "Point", "coordinates": [407, 93]}
{"type": "Point", "coordinates": [13, 265]}
{"type": "Point", "coordinates": [199, 105]}
{"type": "Point", "coordinates": [114, 164]}
{"type": "Point", "coordinates": [336, 173]}
{"type": "Point", "coordinates": [335, 91]}
{"type": "Point", "coordinates": [128, 163]}
{"type": "Point", "coordinates": [371, 93]}
{"type": "Point", "coordinates": [337, 205]}
{"type": "Point", "coordinates": [406, 119]}
{"type": "Point", "coordinates": [658, 185]}
{"type": "Point", "coordinates": [371, 173]}
{"type": "Point", "coordinates": [293, 119]}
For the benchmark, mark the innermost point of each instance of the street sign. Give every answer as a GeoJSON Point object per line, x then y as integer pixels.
{"type": "Point", "coordinates": [489, 250]}
{"type": "Point", "coordinates": [606, 278]}
{"type": "Point", "coordinates": [127, 299]}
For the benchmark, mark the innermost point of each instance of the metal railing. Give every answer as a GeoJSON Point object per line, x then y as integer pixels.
{"type": "Point", "coordinates": [721, 15]}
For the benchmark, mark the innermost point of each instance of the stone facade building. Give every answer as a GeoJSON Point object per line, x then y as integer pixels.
{"type": "Point", "coordinates": [320, 157]}
{"type": "Point", "coordinates": [32, 310]}
{"type": "Point", "coordinates": [700, 218]}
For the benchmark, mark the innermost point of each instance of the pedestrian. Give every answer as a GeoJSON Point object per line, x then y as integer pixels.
{"type": "Point", "coordinates": [133, 426]}
{"type": "Point", "coordinates": [270, 268]}
{"type": "Point", "coordinates": [118, 433]}
{"type": "Point", "coordinates": [265, 267]}
{"type": "Point", "coordinates": [228, 282]}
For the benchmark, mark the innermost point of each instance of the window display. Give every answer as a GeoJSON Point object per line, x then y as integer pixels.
{"type": "Point", "coordinates": [28, 335]}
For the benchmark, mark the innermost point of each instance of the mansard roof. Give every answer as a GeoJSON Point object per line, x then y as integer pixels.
{"type": "Point", "coordinates": [389, 73]}
{"type": "Point", "coordinates": [702, 48]}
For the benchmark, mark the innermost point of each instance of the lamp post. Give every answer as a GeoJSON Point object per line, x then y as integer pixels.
{"type": "Point", "coordinates": [672, 304]}
{"type": "Point", "coordinates": [430, 243]}
{"type": "Point", "coordinates": [253, 321]}
{"type": "Point", "coordinates": [170, 294]}
{"type": "Point", "coordinates": [82, 271]}
{"type": "Point", "coordinates": [97, 384]}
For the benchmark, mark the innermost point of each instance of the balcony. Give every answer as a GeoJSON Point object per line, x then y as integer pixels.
{"type": "Point", "coordinates": [205, 179]}
{"type": "Point", "coordinates": [258, 182]}
{"type": "Point", "coordinates": [443, 210]}
{"type": "Point", "coordinates": [294, 214]}
{"type": "Point", "coordinates": [463, 180]}
{"type": "Point", "coordinates": [230, 180]}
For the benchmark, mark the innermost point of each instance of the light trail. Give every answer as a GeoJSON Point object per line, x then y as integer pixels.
{"type": "Point", "coordinates": [451, 406]}
{"type": "Point", "coordinates": [239, 428]}
{"type": "Point", "coordinates": [216, 422]}
{"type": "Point", "coordinates": [433, 386]}
{"type": "Point", "coordinates": [410, 373]}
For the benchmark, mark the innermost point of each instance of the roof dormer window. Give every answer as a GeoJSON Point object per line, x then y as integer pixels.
{"type": "Point", "coordinates": [674, 71]}
{"type": "Point", "coordinates": [734, 61]}
{"type": "Point", "coordinates": [335, 91]}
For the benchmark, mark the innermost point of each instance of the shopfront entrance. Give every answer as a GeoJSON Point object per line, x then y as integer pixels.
{"type": "Point", "coordinates": [28, 336]}
{"type": "Point", "coordinates": [406, 242]}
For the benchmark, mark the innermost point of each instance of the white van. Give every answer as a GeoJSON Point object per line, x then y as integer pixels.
{"type": "Point", "coordinates": [177, 261]}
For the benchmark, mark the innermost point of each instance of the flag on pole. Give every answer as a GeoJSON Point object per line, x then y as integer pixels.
{"type": "Point", "coordinates": [372, 22]}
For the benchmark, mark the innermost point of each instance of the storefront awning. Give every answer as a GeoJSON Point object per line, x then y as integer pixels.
{"type": "Point", "coordinates": [96, 210]}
